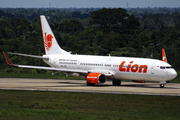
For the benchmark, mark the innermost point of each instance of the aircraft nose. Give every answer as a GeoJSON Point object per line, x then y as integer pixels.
{"type": "Point", "coordinates": [172, 74]}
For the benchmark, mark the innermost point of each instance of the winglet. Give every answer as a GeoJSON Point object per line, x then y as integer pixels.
{"type": "Point", "coordinates": [7, 59]}
{"type": "Point", "coordinates": [164, 55]}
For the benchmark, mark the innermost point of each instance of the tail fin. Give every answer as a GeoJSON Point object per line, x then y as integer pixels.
{"type": "Point", "coordinates": [164, 55]}
{"type": "Point", "coordinates": [50, 43]}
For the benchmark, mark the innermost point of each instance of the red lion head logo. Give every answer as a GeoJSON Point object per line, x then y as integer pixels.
{"type": "Point", "coordinates": [48, 41]}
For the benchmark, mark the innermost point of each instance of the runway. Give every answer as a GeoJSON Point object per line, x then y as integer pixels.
{"type": "Point", "coordinates": [171, 89]}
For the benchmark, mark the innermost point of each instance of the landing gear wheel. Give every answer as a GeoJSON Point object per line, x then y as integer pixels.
{"type": "Point", "coordinates": [161, 85]}
{"type": "Point", "coordinates": [90, 84]}
{"type": "Point", "coordinates": [116, 82]}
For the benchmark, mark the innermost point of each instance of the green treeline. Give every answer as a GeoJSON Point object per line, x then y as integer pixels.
{"type": "Point", "coordinates": [115, 31]}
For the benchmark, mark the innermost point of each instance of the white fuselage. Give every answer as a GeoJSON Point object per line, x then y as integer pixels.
{"type": "Point", "coordinates": [121, 67]}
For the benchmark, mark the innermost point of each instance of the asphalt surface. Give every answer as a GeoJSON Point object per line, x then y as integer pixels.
{"type": "Point", "coordinates": [171, 89]}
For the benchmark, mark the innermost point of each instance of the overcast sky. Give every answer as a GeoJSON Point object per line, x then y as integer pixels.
{"type": "Point", "coordinates": [88, 3]}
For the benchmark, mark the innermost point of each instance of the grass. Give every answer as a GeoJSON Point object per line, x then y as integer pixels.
{"type": "Point", "coordinates": [86, 106]}
{"type": "Point", "coordinates": [39, 105]}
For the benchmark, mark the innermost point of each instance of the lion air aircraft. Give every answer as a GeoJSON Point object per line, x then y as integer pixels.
{"type": "Point", "coordinates": [98, 69]}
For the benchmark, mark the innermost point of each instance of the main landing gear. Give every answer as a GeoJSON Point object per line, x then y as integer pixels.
{"type": "Point", "coordinates": [116, 82]}
{"type": "Point", "coordinates": [90, 84]}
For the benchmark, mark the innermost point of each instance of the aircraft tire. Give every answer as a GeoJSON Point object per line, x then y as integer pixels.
{"type": "Point", "coordinates": [116, 82]}
{"type": "Point", "coordinates": [89, 84]}
{"type": "Point", "coordinates": [161, 85]}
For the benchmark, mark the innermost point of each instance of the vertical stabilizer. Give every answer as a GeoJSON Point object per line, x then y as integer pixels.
{"type": "Point", "coordinates": [164, 55]}
{"type": "Point", "coordinates": [50, 43]}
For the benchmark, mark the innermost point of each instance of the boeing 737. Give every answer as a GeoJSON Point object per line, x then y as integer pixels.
{"type": "Point", "coordinates": [97, 69]}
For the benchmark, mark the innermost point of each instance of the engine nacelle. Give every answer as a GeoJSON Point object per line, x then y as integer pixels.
{"type": "Point", "coordinates": [96, 78]}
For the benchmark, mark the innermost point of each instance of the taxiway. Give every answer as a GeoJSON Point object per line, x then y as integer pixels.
{"type": "Point", "coordinates": [171, 89]}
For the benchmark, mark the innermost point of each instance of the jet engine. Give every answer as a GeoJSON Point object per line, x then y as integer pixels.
{"type": "Point", "coordinates": [96, 78]}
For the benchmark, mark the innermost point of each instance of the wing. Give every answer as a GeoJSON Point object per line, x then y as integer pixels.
{"type": "Point", "coordinates": [105, 72]}
{"type": "Point", "coordinates": [34, 56]}
{"type": "Point", "coordinates": [39, 67]}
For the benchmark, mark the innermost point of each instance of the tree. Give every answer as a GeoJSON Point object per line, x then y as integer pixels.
{"type": "Point", "coordinates": [115, 19]}
{"type": "Point", "coordinates": [70, 26]}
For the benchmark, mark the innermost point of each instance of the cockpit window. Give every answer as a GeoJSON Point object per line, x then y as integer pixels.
{"type": "Point", "coordinates": [169, 67]}
{"type": "Point", "coordinates": [162, 67]}
{"type": "Point", "coordinates": [166, 67]}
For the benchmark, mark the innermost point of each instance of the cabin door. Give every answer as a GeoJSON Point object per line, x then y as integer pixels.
{"type": "Point", "coordinates": [153, 68]}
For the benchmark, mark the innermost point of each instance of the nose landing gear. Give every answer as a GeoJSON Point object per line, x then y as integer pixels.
{"type": "Point", "coordinates": [161, 85]}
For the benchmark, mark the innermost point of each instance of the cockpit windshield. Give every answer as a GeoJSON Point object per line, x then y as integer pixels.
{"type": "Point", "coordinates": [166, 67]}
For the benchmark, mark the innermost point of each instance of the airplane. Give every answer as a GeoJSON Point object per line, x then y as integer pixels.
{"type": "Point", "coordinates": [97, 69]}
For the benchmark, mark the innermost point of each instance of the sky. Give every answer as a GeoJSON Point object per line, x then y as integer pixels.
{"type": "Point", "coordinates": [88, 3]}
